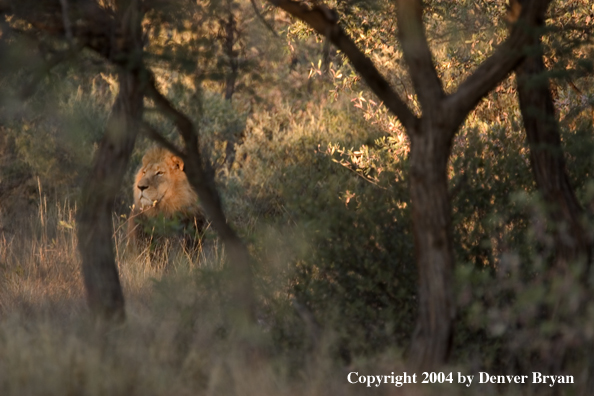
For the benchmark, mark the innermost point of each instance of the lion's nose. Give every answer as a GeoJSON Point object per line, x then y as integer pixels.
{"type": "Point", "coordinates": [142, 186]}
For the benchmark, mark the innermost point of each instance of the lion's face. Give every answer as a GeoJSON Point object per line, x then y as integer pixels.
{"type": "Point", "coordinates": [161, 186]}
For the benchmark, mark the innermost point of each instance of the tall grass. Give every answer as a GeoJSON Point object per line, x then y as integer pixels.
{"type": "Point", "coordinates": [175, 340]}
{"type": "Point", "coordinates": [40, 265]}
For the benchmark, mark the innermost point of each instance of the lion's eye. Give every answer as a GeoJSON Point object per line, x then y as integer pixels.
{"type": "Point", "coordinates": [159, 173]}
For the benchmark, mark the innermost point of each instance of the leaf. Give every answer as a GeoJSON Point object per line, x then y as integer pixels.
{"type": "Point", "coordinates": [64, 224]}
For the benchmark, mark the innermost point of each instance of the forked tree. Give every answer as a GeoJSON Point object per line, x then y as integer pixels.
{"type": "Point", "coordinates": [431, 136]}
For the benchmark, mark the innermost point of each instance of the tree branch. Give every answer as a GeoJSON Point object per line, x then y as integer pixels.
{"type": "Point", "coordinates": [155, 136]}
{"type": "Point", "coordinates": [262, 19]}
{"type": "Point", "coordinates": [418, 55]}
{"type": "Point", "coordinates": [325, 22]}
{"type": "Point", "coordinates": [243, 297]}
{"type": "Point", "coordinates": [497, 66]}
{"type": "Point", "coordinates": [183, 123]}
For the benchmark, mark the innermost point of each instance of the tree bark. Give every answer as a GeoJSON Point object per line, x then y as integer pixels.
{"type": "Point", "coordinates": [572, 245]}
{"type": "Point", "coordinates": [431, 217]}
{"type": "Point", "coordinates": [95, 228]}
{"type": "Point", "coordinates": [430, 203]}
{"type": "Point", "coordinates": [548, 164]}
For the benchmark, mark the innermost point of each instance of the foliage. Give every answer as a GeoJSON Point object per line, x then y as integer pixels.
{"type": "Point", "coordinates": [357, 262]}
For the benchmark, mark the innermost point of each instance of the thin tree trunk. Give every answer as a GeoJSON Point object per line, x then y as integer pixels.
{"type": "Point", "coordinates": [572, 243]}
{"type": "Point", "coordinates": [241, 287]}
{"type": "Point", "coordinates": [548, 164]}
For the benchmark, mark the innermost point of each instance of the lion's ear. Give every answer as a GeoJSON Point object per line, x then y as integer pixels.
{"type": "Point", "coordinates": [177, 162]}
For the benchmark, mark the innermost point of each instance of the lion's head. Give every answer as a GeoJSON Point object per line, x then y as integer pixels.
{"type": "Point", "coordinates": [161, 186]}
{"type": "Point", "coordinates": [164, 202]}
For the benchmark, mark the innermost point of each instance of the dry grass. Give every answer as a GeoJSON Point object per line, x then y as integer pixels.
{"type": "Point", "coordinates": [40, 266]}
{"type": "Point", "coordinates": [173, 342]}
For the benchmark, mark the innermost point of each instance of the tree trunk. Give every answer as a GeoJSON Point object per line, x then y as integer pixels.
{"type": "Point", "coordinates": [241, 289]}
{"type": "Point", "coordinates": [572, 243]}
{"type": "Point", "coordinates": [548, 164]}
{"type": "Point", "coordinates": [434, 255]}
{"type": "Point", "coordinates": [95, 228]}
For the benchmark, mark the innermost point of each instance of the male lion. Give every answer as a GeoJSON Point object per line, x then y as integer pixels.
{"type": "Point", "coordinates": [164, 201]}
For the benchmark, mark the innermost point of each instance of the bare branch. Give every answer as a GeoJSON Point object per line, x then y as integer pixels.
{"type": "Point", "coordinates": [262, 19]}
{"type": "Point", "coordinates": [417, 54]}
{"type": "Point", "coordinates": [325, 22]}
